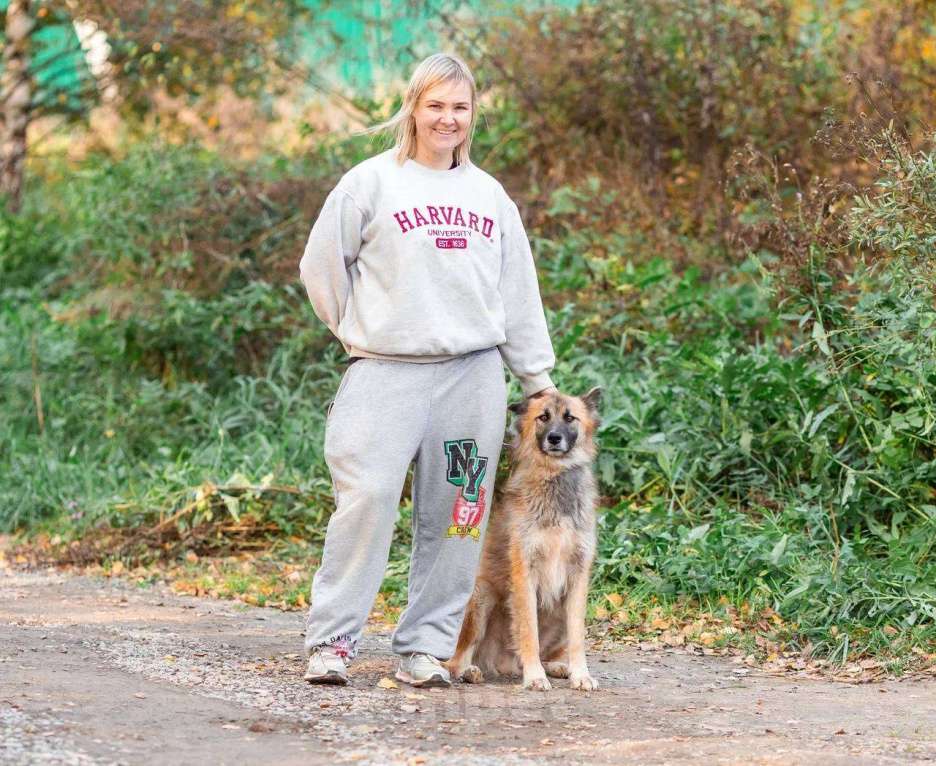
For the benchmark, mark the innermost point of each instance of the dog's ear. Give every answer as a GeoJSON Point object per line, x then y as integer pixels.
{"type": "Point", "coordinates": [592, 399]}
{"type": "Point", "coordinates": [518, 408]}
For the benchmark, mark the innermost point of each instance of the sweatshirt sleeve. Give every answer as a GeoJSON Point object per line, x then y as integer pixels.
{"type": "Point", "coordinates": [527, 351]}
{"type": "Point", "coordinates": [332, 247]}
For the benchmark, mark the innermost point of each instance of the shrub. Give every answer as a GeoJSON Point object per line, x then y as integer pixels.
{"type": "Point", "coordinates": [665, 89]}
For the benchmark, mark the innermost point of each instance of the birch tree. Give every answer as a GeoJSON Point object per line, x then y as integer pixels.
{"type": "Point", "coordinates": [15, 97]}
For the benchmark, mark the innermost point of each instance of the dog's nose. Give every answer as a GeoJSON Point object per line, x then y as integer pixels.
{"type": "Point", "coordinates": [554, 439]}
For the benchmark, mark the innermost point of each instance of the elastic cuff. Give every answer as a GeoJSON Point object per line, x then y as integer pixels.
{"type": "Point", "coordinates": [533, 384]}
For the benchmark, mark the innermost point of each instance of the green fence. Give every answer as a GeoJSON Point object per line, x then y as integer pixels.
{"type": "Point", "coordinates": [58, 63]}
{"type": "Point", "coordinates": [357, 44]}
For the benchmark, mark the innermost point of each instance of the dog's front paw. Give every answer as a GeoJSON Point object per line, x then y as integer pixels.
{"type": "Point", "coordinates": [537, 684]}
{"type": "Point", "coordinates": [584, 682]}
{"type": "Point", "coordinates": [472, 675]}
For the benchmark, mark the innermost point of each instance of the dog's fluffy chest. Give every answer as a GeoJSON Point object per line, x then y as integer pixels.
{"type": "Point", "coordinates": [554, 554]}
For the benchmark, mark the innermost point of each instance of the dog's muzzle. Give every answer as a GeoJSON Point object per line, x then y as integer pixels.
{"type": "Point", "coordinates": [555, 443]}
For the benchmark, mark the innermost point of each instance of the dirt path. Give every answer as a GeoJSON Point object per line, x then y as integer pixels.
{"type": "Point", "coordinates": [98, 671]}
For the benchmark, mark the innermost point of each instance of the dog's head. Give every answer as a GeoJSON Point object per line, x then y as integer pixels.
{"type": "Point", "coordinates": [559, 426]}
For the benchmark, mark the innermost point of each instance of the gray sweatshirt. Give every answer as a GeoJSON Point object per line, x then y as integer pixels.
{"type": "Point", "coordinates": [422, 265]}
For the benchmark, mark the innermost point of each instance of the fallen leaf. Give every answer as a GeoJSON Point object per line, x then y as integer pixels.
{"type": "Point", "coordinates": [616, 599]}
{"type": "Point", "coordinates": [387, 683]}
{"type": "Point", "coordinates": [140, 696]}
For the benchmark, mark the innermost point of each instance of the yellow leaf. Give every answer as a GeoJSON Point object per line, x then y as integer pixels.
{"type": "Point", "coordinates": [387, 683]}
{"type": "Point", "coordinates": [928, 50]}
{"type": "Point", "coordinates": [615, 599]}
{"type": "Point", "coordinates": [601, 613]}
{"type": "Point", "coordinates": [117, 567]}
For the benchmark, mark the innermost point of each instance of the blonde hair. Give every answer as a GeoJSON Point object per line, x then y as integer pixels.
{"type": "Point", "coordinates": [437, 68]}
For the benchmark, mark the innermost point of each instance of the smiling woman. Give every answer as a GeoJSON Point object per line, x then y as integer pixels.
{"type": "Point", "coordinates": [419, 264]}
{"type": "Point", "coordinates": [436, 121]}
{"type": "Point", "coordinates": [442, 118]}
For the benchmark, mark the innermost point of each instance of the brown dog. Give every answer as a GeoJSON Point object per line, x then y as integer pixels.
{"type": "Point", "coordinates": [527, 611]}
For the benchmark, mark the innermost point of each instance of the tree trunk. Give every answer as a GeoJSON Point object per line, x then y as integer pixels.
{"type": "Point", "coordinates": [15, 96]}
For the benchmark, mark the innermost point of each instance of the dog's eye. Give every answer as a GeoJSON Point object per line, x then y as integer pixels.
{"type": "Point", "coordinates": [568, 418]}
{"type": "Point", "coordinates": [544, 417]}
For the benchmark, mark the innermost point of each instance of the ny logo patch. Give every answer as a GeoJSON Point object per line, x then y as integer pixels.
{"type": "Point", "coordinates": [466, 469]}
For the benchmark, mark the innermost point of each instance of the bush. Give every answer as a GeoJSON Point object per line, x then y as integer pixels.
{"type": "Point", "coordinates": [783, 457]}
{"type": "Point", "coordinates": [663, 90]}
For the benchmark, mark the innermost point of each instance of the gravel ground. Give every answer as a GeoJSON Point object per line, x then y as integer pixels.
{"type": "Point", "coordinates": [99, 671]}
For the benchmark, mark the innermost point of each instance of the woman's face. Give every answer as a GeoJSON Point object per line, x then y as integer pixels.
{"type": "Point", "coordinates": [442, 116]}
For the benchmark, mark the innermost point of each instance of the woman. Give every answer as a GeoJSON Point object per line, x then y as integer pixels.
{"type": "Point", "coordinates": [419, 264]}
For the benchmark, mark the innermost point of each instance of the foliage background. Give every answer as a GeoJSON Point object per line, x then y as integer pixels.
{"type": "Point", "coordinates": [732, 210]}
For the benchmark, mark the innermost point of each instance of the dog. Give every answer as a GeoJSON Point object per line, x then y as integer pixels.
{"type": "Point", "coordinates": [527, 611]}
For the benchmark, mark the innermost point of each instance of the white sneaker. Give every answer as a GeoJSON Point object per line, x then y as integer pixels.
{"type": "Point", "coordinates": [326, 667]}
{"type": "Point", "coordinates": [422, 670]}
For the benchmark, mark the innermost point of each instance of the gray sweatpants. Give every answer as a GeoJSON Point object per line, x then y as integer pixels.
{"type": "Point", "coordinates": [447, 416]}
